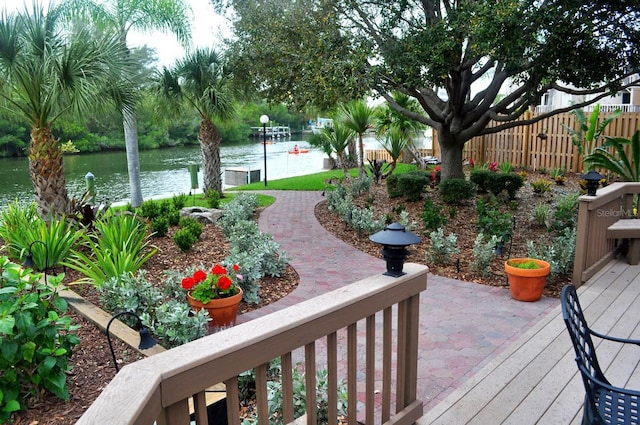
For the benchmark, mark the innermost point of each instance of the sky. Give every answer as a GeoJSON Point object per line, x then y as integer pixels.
{"type": "Point", "coordinates": [207, 30]}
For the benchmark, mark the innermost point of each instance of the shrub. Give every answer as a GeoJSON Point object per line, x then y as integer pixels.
{"type": "Point", "coordinates": [541, 214]}
{"type": "Point", "coordinates": [149, 209]}
{"type": "Point", "coordinates": [509, 183]}
{"type": "Point", "coordinates": [213, 198]}
{"type": "Point", "coordinates": [492, 221]}
{"type": "Point", "coordinates": [566, 213]}
{"type": "Point", "coordinates": [483, 253]}
{"type": "Point", "coordinates": [442, 248]}
{"type": "Point", "coordinates": [481, 179]}
{"type": "Point", "coordinates": [362, 221]}
{"type": "Point", "coordinates": [179, 201]}
{"type": "Point", "coordinates": [454, 191]}
{"type": "Point", "coordinates": [541, 185]}
{"type": "Point", "coordinates": [360, 186]}
{"type": "Point", "coordinates": [192, 225]}
{"type": "Point", "coordinates": [505, 167]}
{"type": "Point", "coordinates": [432, 216]}
{"type": "Point", "coordinates": [159, 226]}
{"type": "Point", "coordinates": [410, 185]}
{"type": "Point", "coordinates": [37, 339]}
{"type": "Point", "coordinates": [184, 239]}
{"type": "Point", "coordinates": [559, 253]}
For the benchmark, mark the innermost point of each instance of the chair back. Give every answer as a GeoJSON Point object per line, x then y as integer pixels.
{"type": "Point", "coordinates": [580, 336]}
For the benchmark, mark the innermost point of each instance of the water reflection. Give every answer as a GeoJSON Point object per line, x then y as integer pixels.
{"type": "Point", "coordinates": [161, 170]}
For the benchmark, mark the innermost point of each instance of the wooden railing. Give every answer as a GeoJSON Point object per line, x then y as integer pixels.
{"type": "Point", "coordinates": [344, 321]}
{"type": "Point", "coordinates": [595, 214]}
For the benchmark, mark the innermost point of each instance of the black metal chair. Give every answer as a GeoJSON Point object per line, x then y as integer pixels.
{"type": "Point", "coordinates": [603, 403]}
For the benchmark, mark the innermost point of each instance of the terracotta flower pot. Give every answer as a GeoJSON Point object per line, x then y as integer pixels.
{"type": "Point", "coordinates": [223, 311]}
{"type": "Point", "coordinates": [526, 284]}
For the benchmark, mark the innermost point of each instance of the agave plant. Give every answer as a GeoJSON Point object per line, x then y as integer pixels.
{"type": "Point", "coordinates": [618, 162]}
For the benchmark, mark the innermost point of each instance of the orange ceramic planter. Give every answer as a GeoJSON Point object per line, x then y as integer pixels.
{"type": "Point", "coordinates": [527, 284]}
{"type": "Point", "coordinates": [222, 311]}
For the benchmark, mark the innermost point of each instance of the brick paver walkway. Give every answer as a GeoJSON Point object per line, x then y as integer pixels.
{"type": "Point", "coordinates": [463, 325]}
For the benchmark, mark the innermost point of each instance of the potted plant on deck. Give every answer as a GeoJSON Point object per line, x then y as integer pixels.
{"type": "Point", "coordinates": [217, 292]}
{"type": "Point", "coordinates": [527, 277]}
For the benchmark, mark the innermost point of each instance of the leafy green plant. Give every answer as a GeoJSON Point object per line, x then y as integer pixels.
{"type": "Point", "coordinates": [410, 185]}
{"type": "Point", "coordinates": [120, 245]}
{"type": "Point", "coordinates": [149, 209]}
{"type": "Point", "coordinates": [360, 185]}
{"type": "Point", "coordinates": [499, 183]}
{"type": "Point", "coordinates": [363, 221]}
{"type": "Point", "coordinates": [184, 239]}
{"type": "Point", "coordinates": [36, 339]}
{"type": "Point", "coordinates": [432, 216]}
{"type": "Point", "coordinates": [213, 198]}
{"type": "Point", "coordinates": [528, 265]}
{"type": "Point", "coordinates": [179, 201]}
{"type": "Point", "coordinates": [541, 214]}
{"type": "Point", "coordinates": [442, 248]}
{"type": "Point", "coordinates": [377, 169]}
{"type": "Point", "coordinates": [483, 252]}
{"type": "Point", "coordinates": [192, 225]}
{"type": "Point", "coordinates": [455, 191]}
{"type": "Point", "coordinates": [159, 226]}
{"type": "Point", "coordinates": [493, 221]}
{"type": "Point", "coordinates": [588, 131]}
{"type": "Point", "coordinates": [505, 167]}
{"type": "Point", "coordinates": [566, 213]}
{"type": "Point", "coordinates": [559, 252]}
{"type": "Point", "coordinates": [618, 162]}
{"type": "Point", "coordinates": [541, 186]}
{"type": "Point", "coordinates": [481, 176]}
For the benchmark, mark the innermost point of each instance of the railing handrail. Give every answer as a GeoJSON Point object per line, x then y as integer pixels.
{"type": "Point", "coordinates": [593, 249]}
{"type": "Point", "coordinates": [142, 390]}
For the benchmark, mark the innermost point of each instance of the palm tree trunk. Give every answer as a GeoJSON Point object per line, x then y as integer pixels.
{"type": "Point", "coordinates": [46, 168]}
{"type": "Point", "coordinates": [130, 124]}
{"type": "Point", "coordinates": [362, 172]}
{"type": "Point", "coordinates": [209, 139]}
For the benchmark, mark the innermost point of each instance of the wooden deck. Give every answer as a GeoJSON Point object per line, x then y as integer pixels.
{"type": "Point", "coordinates": [536, 381]}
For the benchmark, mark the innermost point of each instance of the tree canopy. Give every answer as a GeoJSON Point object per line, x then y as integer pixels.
{"type": "Point", "coordinates": [468, 63]}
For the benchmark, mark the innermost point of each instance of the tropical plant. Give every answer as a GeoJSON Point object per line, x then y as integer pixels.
{"type": "Point", "coordinates": [625, 166]}
{"type": "Point", "coordinates": [358, 116]}
{"type": "Point", "coordinates": [335, 140]}
{"type": "Point", "coordinates": [201, 82]}
{"type": "Point", "coordinates": [585, 136]}
{"type": "Point", "coordinates": [118, 17]}
{"type": "Point", "coordinates": [395, 142]}
{"type": "Point", "coordinates": [119, 245]}
{"type": "Point", "coordinates": [47, 72]}
{"type": "Point", "coordinates": [36, 339]}
{"type": "Point", "coordinates": [218, 283]}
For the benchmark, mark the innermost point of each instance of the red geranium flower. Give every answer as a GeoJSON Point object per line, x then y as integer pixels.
{"type": "Point", "coordinates": [188, 282]}
{"type": "Point", "coordinates": [224, 283]}
{"type": "Point", "coordinates": [200, 276]}
{"type": "Point", "coordinates": [236, 268]}
{"type": "Point", "coordinates": [218, 269]}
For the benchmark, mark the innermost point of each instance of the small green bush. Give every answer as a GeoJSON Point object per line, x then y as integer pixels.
{"type": "Point", "coordinates": [393, 187]}
{"type": "Point", "coordinates": [432, 216]}
{"type": "Point", "coordinates": [455, 191]}
{"type": "Point", "coordinates": [541, 214]}
{"type": "Point", "coordinates": [184, 239]}
{"type": "Point", "coordinates": [410, 185]}
{"type": "Point", "coordinates": [483, 253]}
{"type": "Point", "coordinates": [509, 183]}
{"type": "Point", "coordinates": [213, 198]}
{"type": "Point", "coordinates": [442, 248]}
{"type": "Point", "coordinates": [179, 201]}
{"type": "Point", "coordinates": [149, 209]}
{"type": "Point", "coordinates": [481, 178]}
{"type": "Point", "coordinates": [159, 226]}
{"type": "Point", "coordinates": [541, 185]}
{"type": "Point", "coordinates": [192, 225]}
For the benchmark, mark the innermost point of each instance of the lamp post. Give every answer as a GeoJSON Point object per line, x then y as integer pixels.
{"type": "Point", "coordinates": [29, 263]}
{"type": "Point", "coordinates": [264, 119]}
{"type": "Point", "coordinates": [394, 239]}
{"type": "Point", "coordinates": [593, 181]}
{"type": "Point", "coordinates": [146, 340]}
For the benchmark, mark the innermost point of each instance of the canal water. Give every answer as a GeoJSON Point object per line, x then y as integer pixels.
{"type": "Point", "coordinates": [161, 170]}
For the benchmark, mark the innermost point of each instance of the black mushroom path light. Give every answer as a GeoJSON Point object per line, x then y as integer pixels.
{"type": "Point", "coordinates": [146, 340]}
{"type": "Point", "coordinates": [395, 239]}
{"type": "Point", "coordinates": [593, 181]}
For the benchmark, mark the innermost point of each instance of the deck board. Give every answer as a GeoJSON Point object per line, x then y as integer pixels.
{"type": "Point", "coordinates": [535, 380]}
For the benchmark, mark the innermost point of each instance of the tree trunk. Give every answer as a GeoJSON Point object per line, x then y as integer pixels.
{"type": "Point", "coordinates": [209, 139]}
{"type": "Point", "coordinates": [46, 168]}
{"type": "Point", "coordinates": [130, 124]}
{"type": "Point", "coordinates": [451, 151]}
{"type": "Point", "coordinates": [362, 172]}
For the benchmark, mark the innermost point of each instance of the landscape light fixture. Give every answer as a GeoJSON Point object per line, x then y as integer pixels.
{"type": "Point", "coordinates": [264, 119]}
{"type": "Point", "coordinates": [146, 340]}
{"type": "Point", "coordinates": [593, 181]}
{"type": "Point", "coordinates": [394, 239]}
{"type": "Point", "coordinates": [29, 263]}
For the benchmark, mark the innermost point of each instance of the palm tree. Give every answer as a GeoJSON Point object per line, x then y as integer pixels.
{"type": "Point", "coordinates": [395, 141]}
{"type": "Point", "coordinates": [201, 83]}
{"type": "Point", "coordinates": [47, 72]}
{"type": "Point", "coordinates": [357, 116]}
{"type": "Point", "coordinates": [335, 140]}
{"type": "Point", "coordinates": [123, 16]}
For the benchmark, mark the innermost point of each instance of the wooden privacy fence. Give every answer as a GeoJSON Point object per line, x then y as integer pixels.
{"type": "Point", "coordinates": [545, 144]}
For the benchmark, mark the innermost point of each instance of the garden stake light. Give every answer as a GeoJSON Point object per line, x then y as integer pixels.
{"type": "Point", "coordinates": [146, 340]}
